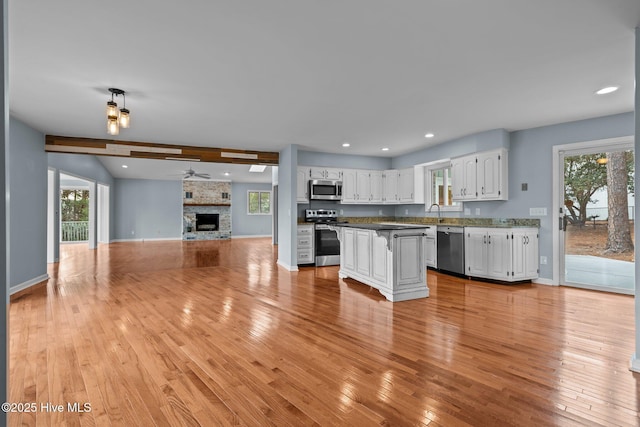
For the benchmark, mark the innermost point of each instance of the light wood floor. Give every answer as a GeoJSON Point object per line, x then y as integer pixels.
{"type": "Point", "coordinates": [214, 333]}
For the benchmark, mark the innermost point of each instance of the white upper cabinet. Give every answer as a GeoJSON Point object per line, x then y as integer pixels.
{"type": "Point", "coordinates": [326, 173]}
{"type": "Point", "coordinates": [390, 186]}
{"type": "Point", "coordinates": [361, 186]}
{"type": "Point", "coordinates": [349, 185]}
{"type": "Point", "coordinates": [376, 186]}
{"type": "Point", "coordinates": [404, 186]}
{"type": "Point", "coordinates": [302, 185]}
{"type": "Point", "coordinates": [411, 185]}
{"type": "Point", "coordinates": [480, 176]}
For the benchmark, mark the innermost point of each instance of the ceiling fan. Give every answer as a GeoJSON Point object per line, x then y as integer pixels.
{"type": "Point", "coordinates": [190, 173]}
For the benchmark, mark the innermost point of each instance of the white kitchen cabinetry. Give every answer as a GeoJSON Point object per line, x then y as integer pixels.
{"type": "Point", "coordinates": [431, 247]}
{"type": "Point", "coordinates": [391, 261]}
{"type": "Point", "coordinates": [506, 254]}
{"type": "Point", "coordinates": [302, 185]}
{"type": "Point", "coordinates": [480, 176]}
{"type": "Point", "coordinates": [390, 180]}
{"type": "Point", "coordinates": [305, 244]}
{"type": "Point", "coordinates": [349, 185]}
{"type": "Point", "coordinates": [361, 186]}
{"type": "Point", "coordinates": [403, 186]}
{"type": "Point", "coordinates": [525, 254]}
{"type": "Point", "coordinates": [326, 173]}
{"type": "Point", "coordinates": [411, 185]}
{"type": "Point", "coordinates": [376, 186]}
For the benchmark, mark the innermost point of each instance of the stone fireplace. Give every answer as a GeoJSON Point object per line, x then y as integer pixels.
{"type": "Point", "coordinates": [206, 210]}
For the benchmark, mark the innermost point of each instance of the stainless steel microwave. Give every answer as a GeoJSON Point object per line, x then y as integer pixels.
{"type": "Point", "coordinates": [321, 189]}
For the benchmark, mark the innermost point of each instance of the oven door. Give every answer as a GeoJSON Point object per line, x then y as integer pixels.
{"type": "Point", "coordinates": [327, 246]}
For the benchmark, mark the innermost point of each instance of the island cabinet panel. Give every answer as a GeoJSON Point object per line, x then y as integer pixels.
{"type": "Point", "coordinates": [407, 250]}
{"type": "Point", "coordinates": [347, 249]}
{"type": "Point", "coordinates": [379, 258]}
{"type": "Point", "coordinates": [391, 260]}
{"type": "Point", "coordinates": [363, 252]}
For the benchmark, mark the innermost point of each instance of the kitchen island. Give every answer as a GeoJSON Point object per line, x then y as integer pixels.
{"type": "Point", "coordinates": [388, 257]}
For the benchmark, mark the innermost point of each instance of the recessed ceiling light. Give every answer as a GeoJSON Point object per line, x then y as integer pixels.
{"type": "Point", "coordinates": [429, 135]}
{"type": "Point", "coordinates": [607, 89]}
{"type": "Point", "coordinates": [257, 168]}
{"type": "Point", "coordinates": [385, 149]}
{"type": "Point", "coordinates": [125, 166]}
{"type": "Point", "coordinates": [346, 144]}
{"type": "Point", "coordinates": [227, 174]}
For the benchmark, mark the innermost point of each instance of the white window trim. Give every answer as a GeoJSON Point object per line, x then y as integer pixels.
{"type": "Point", "coordinates": [260, 191]}
{"type": "Point", "coordinates": [438, 164]}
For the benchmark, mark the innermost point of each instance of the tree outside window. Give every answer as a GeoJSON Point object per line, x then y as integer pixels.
{"type": "Point", "coordinates": [259, 202]}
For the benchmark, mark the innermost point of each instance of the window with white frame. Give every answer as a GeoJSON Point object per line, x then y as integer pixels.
{"type": "Point", "coordinates": [259, 202]}
{"type": "Point", "coordinates": [438, 186]}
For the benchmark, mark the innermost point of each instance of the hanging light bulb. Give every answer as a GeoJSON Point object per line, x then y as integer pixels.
{"type": "Point", "coordinates": [112, 108]}
{"type": "Point", "coordinates": [125, 120]}
{"type": "Point", "coordinates": [113, 128]}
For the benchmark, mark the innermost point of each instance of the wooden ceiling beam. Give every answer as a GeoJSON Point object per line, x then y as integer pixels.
{"type": "Point", "coordinates": [149, 150]}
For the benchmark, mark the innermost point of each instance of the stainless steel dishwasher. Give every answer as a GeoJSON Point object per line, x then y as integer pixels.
{"type": "Point", "coordinates": [451, 249]}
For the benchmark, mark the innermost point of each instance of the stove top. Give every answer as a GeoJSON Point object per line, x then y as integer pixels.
{"type": "Point", "coordinates": [320, 215]}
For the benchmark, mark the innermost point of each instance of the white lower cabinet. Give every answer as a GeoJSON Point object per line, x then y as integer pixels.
{"type": "Point", "coordinates": [305, 244]}
{"type": "Point", "coordinates": [391, 261]}
{"type": "Point", "coordinates": [431, 247]}
{"type": "Point", "coordinates": [506, 254]}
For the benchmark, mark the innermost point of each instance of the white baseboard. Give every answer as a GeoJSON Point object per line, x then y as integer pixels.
{"type": "Point", "coordinates": [251, 236]}
{"type": "Point", "coordinates": [287, 266]}
{"type": "Point", "coordinates": [635, 363]}
{"type": "Point", "coordinates": [24, 285]}
{"type": "Point", "coordinates": [543, 281]}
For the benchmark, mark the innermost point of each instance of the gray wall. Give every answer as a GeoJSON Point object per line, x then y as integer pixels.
{"type": "Point", "coordinates": [148, 209]}
{"type": "Point", "coordinates": [243, 224]}
{"type": "Point", "coordinates": [28, 210]}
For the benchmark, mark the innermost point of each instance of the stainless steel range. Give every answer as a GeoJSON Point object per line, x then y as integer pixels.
{"type": "Point", "coordinates": [327, 245]}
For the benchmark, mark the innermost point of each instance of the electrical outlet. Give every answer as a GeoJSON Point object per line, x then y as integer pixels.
{"type": "Point", "coordinates": [341, 211]}
{"type": "Point", "coordinates": [477, 211]}
{"type": "Point", "coordinates": [467, 211]}
{"type": "Point", "coordinates": [133, 232]}
{"type": "Point", "coordinates": [380, 212]}
{"type": "Point", "coordinates": [537, 211]}
{"type": "Point", "coordinates": [543, 260]}
{"type": "Point", "coordinates": [406, 211]}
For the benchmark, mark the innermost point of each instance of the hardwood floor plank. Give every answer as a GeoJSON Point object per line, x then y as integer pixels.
{"type": "Point", "coordinates": [215, 333]}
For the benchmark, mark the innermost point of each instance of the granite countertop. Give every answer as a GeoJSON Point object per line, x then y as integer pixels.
{"type": "Point", "coordinates": [380, 227]}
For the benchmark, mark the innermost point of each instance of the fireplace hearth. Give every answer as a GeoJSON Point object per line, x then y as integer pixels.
{"type": "Point", "coordinates": [207, 222]}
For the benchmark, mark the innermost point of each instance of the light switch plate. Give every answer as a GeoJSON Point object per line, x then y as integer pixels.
{"type": "Point", "coordinates": [477, 211]}
{"type": "Point", "coordinates": [467, 211]}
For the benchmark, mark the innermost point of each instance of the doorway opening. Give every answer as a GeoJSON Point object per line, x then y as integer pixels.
{"type": "Point", "coordinates": [597, 217]}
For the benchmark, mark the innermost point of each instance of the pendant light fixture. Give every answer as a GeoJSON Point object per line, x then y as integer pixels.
{"type": "Point", "coordinates": [117, 119]}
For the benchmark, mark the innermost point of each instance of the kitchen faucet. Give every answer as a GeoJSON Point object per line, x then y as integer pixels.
{"type": "Point", "coordinates": [438, 206]}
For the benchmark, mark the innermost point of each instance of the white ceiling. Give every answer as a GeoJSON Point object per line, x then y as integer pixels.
{"type": "Point", "coordinates": [174, 170]}
{"type": "Point", "coordinates": [261, 75]}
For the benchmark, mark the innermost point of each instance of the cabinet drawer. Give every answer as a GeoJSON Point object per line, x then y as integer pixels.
{"type": "Point", "coordinates": [306, 230]}
{"type": "Point", "coordinates": [305, 241]}
{"type": "Point", "coordinates": [305, 256]}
